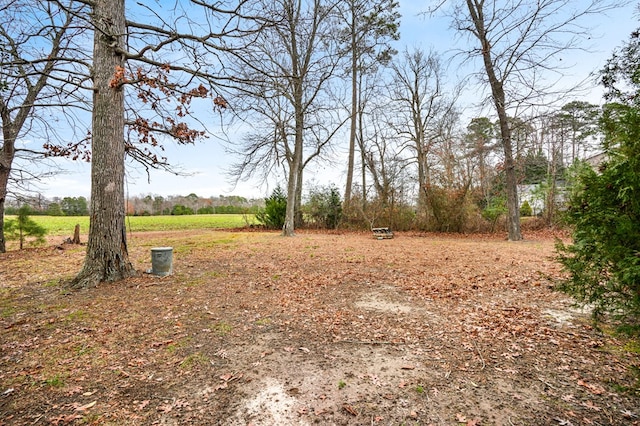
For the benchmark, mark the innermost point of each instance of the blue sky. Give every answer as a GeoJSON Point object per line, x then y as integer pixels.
{"type": "Point", "coordinates": [206, 162]}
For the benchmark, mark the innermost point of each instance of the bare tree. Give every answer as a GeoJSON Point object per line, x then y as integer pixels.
{"type": "Point", "coordinates": [448, 194]}
{"type": "Point", "coordinates": [37, 39]}
{"type": "Point", "coordinates": [423, 106]}
{"type": "Point", "coordinates": [369, 25]}
{"type": "Point", "coordinates": [282, 80]}
{"type": "Point", "coordinates": [389, 171]}
{"type": "Point", "coordinates": [519, 44]}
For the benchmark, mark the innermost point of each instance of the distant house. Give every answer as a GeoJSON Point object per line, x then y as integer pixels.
{"type": "Point", "coordinates": [595, 160]}
{"type": "Point", "coordinates": [532, 195]}
{"type": "Point", "coordinates": [535, 196]}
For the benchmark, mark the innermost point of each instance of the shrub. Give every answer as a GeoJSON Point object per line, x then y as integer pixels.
{"type": "Point", "coordinates": [604, 210]}
{"type": "Point", "coordinates": [22, 227]}
{"type": "Point", "coordinates": [324, 207]}
{"type": "Point", "coordinates": [274, 211]}
{"type": "Point", "coordinates": [496, 207]}
{"type": "Point", "coordinates": [525, 209]}
{"type": "Point", "coordinates": [450, 208]}
{"type": "Point", "coordinates": [179, 210]}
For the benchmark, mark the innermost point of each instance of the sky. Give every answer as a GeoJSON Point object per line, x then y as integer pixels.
{"type": "Point", "coordinates": [206, 163]}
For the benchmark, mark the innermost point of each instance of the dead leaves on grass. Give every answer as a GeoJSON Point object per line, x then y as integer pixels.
{"type": "Point", "coordinates": [593, 388]}
{"type": "Point", "coordinates": [486, 313]}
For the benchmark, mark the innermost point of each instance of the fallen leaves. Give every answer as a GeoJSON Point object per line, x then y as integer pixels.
{"type": "Point", "coordinates": [64, 419]}
{"type": "Point", "coordinates": [163, 343]}
{"type": "Point", "coordinates": [141, 405]}
{"type": "Point", "coordinates": [468, 311]}
{"type": "Point", "coordinates": [590, 405]}
{"type": "Point", "coordinates": [86, 406]}
{"type": "Point", "coordinates": [228, 378]}
{"type": "Point", "coordinates": [349, 409]}
{"type": "Point", "coordinates": [593, 388]}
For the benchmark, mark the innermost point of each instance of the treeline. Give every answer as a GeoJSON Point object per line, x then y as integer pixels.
{"type": "Point", "coordinates": [42, 206]}
{"type": "Point", "coordinates": [152, 205]}
{"type": "Point", "coordinates": [142, 205]}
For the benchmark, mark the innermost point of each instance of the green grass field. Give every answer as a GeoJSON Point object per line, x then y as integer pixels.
{"type": "Point", "coordinates": [64, 225]}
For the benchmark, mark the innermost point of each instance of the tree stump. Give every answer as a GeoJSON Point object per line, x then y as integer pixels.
{"type": "Point", "coordinates": [76, 235]}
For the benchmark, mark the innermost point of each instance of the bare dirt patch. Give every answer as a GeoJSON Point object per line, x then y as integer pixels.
{"type": "Point", "coordinates": [257, 329]}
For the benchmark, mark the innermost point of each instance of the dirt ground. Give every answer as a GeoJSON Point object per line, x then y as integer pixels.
{"type": "Point", "coordinates": [327, 329]}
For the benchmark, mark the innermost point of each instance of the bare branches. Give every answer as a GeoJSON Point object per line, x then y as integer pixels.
{"type": "Point", "coordinates": [285, 91]}
{"type": "Point", "coordinates": [526, 43]}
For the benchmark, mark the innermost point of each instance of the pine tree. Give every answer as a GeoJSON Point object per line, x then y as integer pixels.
{"type": "Point", "coordinates": [23, 227]}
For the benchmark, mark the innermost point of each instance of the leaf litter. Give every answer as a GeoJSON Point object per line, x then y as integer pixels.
{"type": "Point", "coordinates": [316, 329]}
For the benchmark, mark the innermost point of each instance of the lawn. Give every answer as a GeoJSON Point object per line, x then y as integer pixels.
{"type": "Point", "coordinates": [64, 225]}
{"type": "Point", "coordinates": [335, 329]}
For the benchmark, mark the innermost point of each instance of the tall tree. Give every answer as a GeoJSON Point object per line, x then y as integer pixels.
{"type": "Point", "coordinates": [134, 61]}
{"type": "Point", "coordinates": [107, 254]}
{"type": "Point", "coordinates": [282, 80]}
{"type": "Point", "coordinates": [518, 42]}
{"type": "Point", "coordinates": [579, 119]}
{"type": "Point", "coordinates": [36, 42]}
{"type": "Point", "coordinates": [423, 106]}
{"type": "Point", "coordinates": [369, 27]}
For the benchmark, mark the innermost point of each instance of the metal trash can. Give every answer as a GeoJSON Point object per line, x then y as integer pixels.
{"type": "Point", "coordinates": [162, 261]}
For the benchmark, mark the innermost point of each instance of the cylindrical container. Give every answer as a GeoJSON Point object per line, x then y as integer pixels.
{"type": "Point", "coordinates": [162, 261]}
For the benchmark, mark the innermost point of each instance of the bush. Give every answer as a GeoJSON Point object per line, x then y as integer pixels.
{"type": "Point", "coordinates": [22, 227]}
{"type": "Point", "coordinates": [495, 209]}
{"type": "Point", "coordinates": [274, 211]}
{"type": "Point", "coordinates": [525, 209]}
{"type": "Point", "coordinates": [604, 210]}
{"type": "Point", "coordinates": [324, 207]}
{"type": "Point", "coordinates": [450, 209]}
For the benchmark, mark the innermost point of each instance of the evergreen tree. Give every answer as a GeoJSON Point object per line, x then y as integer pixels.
{"type": "Point", "coordinates": [23, 227]}
{"type": "Point", "coordinates": [604, 259]}
{"type": "Point", "coordinates": [275, 210]}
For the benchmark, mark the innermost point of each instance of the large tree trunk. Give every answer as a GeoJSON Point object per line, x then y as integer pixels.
{"type": "Point", "coordinates": [295, 168]}
{"type": "Point", "coordinates": [289, 220]}
{"type": "Point", "coordinates": [513, 210]}
{"type": "Point", "coordinates": [107, 257]}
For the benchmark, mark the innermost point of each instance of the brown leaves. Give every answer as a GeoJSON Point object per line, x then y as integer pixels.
{"type": "Point", "coordinates": [593, 388]}
{"type": "Point", "coordinates": [65, 419]}
{"type": "Point", "coordinates": [349, 409]}
{"type": "Point", "coordinates": [226, 379]}
{"type": "Point", "coordinates": [73, 150]}
{"type": "Point", "coordinates": [157, 93]}
{"type": "Point", "coordinates": [119, 78]}
{"type": "Point", "coordinates": [317, 333]}
{"type": "Point", "coordinates": [86, 406]}
{"type": "Point", "coordinates": [220, 102]}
